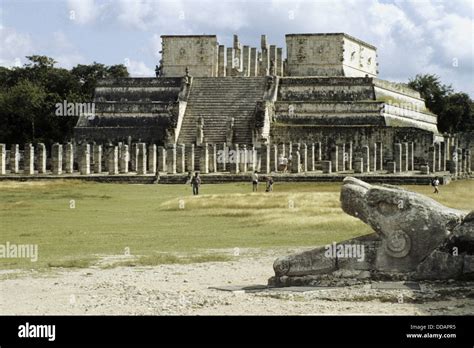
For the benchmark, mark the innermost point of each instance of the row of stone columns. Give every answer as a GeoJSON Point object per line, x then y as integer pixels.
{"type": "Point", "coordinates": [180, 158]}
{"type": "Point", "coordinates": [89, 158]}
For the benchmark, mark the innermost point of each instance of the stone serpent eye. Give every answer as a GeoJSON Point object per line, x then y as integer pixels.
{"type": "Point", "coordinates": [398, 244]}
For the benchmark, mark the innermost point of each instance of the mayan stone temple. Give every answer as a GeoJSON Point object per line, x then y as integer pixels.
{"type": "Point", "coordinates": [231, 110]}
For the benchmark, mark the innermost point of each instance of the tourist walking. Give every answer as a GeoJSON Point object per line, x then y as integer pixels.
{"type": "Point", "coordinates": [435, 184]}
{"type": "Point", "coordinates": [254, 181]}
{"type": "Point", "coordinates": [195, 183]}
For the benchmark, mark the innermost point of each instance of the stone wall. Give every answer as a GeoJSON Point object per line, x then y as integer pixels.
{"type": "Point", "coordinates": [199, 53]}
{"type": "Point", "coordinates": [335, 54]}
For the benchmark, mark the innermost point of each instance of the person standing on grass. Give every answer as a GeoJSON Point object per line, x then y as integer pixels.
{"type": "Point", "coordinates": [195, 183]}
{"type": "Point", "coordinates": [435, 184]}
{"type": "Point", "coordinates": [254, 181]}
{"type": "Point", "coordinates": [269, 180]}
{"type": "Point", "coordinates": [188, 178]}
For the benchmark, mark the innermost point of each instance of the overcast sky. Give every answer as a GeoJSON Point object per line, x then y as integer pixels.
{"type": "Point", "coordinates": [416, 36]}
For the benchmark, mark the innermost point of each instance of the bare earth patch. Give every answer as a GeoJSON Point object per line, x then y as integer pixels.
{"type": "Point", "coordinates": [184, 289]}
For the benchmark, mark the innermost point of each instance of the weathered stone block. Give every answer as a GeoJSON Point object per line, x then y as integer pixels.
{"type": "Point", "coordinates": [15, 159]}
{"type": "Point", "coordinates": [29, 159]}
{"type": "Point", "coordinates": [57, 159]}
{"type": "Point", "coordinates": [97, 158]}
{"type": "Point", "coordinates": [142, 159]}
{"type": "Point", "coordinates": [41, 158]}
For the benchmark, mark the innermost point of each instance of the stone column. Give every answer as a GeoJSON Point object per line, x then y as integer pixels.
{"type": "Point", "coordinates": [373, 160]}
{"type": "Point", "coordinates": [234, 159]}
{"type": "Point", "coordinates": [190, 158]}
{"type": "Point", "coordinates": [162, 159]}
{"type": "Point", "coordinates": [134, 156]}
{"type": "Point", "coordinates": [204, 160]}
{"type": "Point", "coordinates": [3, 159]}
{"type": "Point", "coordinates": [444, 153]}
{"type": "Point", "coordinates": [304, 158]}
{"type": "Point", "coordinates": [265, 62]}
{"type": "Point", "coordinates": [97, 157]}
{"type": "Point", "coordinates": [181, 158]}
{"type": "Point", "coordinates": [335, 158]}
{"type": "Point", "coordinates": [273, 57]}
{"type": "Point", "coordinates": [41, 158]}
{"type": "Point", "coordinates": [326, 167]}
{"type": "Point", "coordinates": [230, 61]}
{"type": "Point", "coordinates": [221, 61]}
{"type": "Point", "coordinates": [439, 154]}
{"type": "Point", "coordinates": [453, 163]}
{"type": "Point", "coordinates": [151, 158]}
{"type": "Point", "coordinates": [318, 152]}
{"type": "Point", "coordinates": [265, 159]}
{"type": "Point", "coordinates": [295, 160]}
{"type": "Point", "coordinates": [279, 62]}
{"type": "Point", "coordinates": [405, 157]}
{"type": "Point", "coordinates": [468, 161]}
{"type": "Point", "coordinates": [15, 159]}
{"type": "Point", "coordinates": [282, 150]}
{"type": "Point", "coordinates": [213, 158]}
{"type": "Point", "coordinates": [447, 146]}
{"type": "Point", "coordinates": [141, 159]}
{"type": "Point", "coordinates": [85, 162]}
{"type": "Point", "coordinates": [463, 161]}
{"type": "Point", "coordinates": [397, 156]}
{"type": "Point", "coordinates": [312, 160]}
{"type": "Point", "coordinates": [69, 158]}
{"type": "Point", "coordinates": [221, 157]}
{"type": "Point", "coordinates": [243, 159]}
{"type": "Point", "coordinates": [432, 159]}
{"type": "Point", "coordinates": [124, 159]}
{"type": "Point", "coordinates": [359, 165]}
{"type": "Point", "coordinates": [171, 158]}
{"type": "Point", "coordinates": [379, 155]}
{"type": "Point", "coordinates": [57, 158]}
{"type": "Point", "coordinates": [29, 159]}
{"type": "Point", "coordinates": [411, 156]}
{"type": "Point", "coordinates": [349, 155]}
{"type": "Point", "coordinates": [342, 157]}
{"type": "Point", "coordinates": [113, 160]}
{"type": "Point", "coordinates": [366, 158]}
{"type": "Point", "coordinates": [246, 60]}
{"type": "Point", "coordinates": [253, 62]}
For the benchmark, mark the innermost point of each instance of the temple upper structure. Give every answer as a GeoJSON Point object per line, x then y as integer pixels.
{"type": "Point", "coordinates": [324, 89]}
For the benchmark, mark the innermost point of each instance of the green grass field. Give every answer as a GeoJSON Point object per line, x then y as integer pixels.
{"type": "Point", "coordinates": [149, 220]}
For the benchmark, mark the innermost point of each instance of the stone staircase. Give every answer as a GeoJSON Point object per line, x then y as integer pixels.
{"type": "Point", "coordinates": [217, 99]}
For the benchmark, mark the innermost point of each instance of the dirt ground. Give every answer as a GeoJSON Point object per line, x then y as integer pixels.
{"type": "Point", "coordinates": [185, 289]}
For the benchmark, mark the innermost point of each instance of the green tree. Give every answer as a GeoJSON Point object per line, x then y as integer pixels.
{"type": "Point", "coordinates": [454, 110]}
{"type": "Point", "coordinates": [29, 94]}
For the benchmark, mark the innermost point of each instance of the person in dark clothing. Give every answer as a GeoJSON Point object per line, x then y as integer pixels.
{"type": "Point", "coordinates": [269, 182]}
{"type": "Point", "coordinates": [195, 183]}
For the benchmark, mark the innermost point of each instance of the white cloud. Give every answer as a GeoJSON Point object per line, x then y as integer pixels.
{"type": "Point", "coordinates": [139, 69]}
{"type": "Point", "coordinates": [83, 11]}
{"type": "Point", "coordinates": [15, 46]}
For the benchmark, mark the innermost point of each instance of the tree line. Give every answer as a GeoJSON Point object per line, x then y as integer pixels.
{"type": "Point", "coordinates": [28, 96]}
